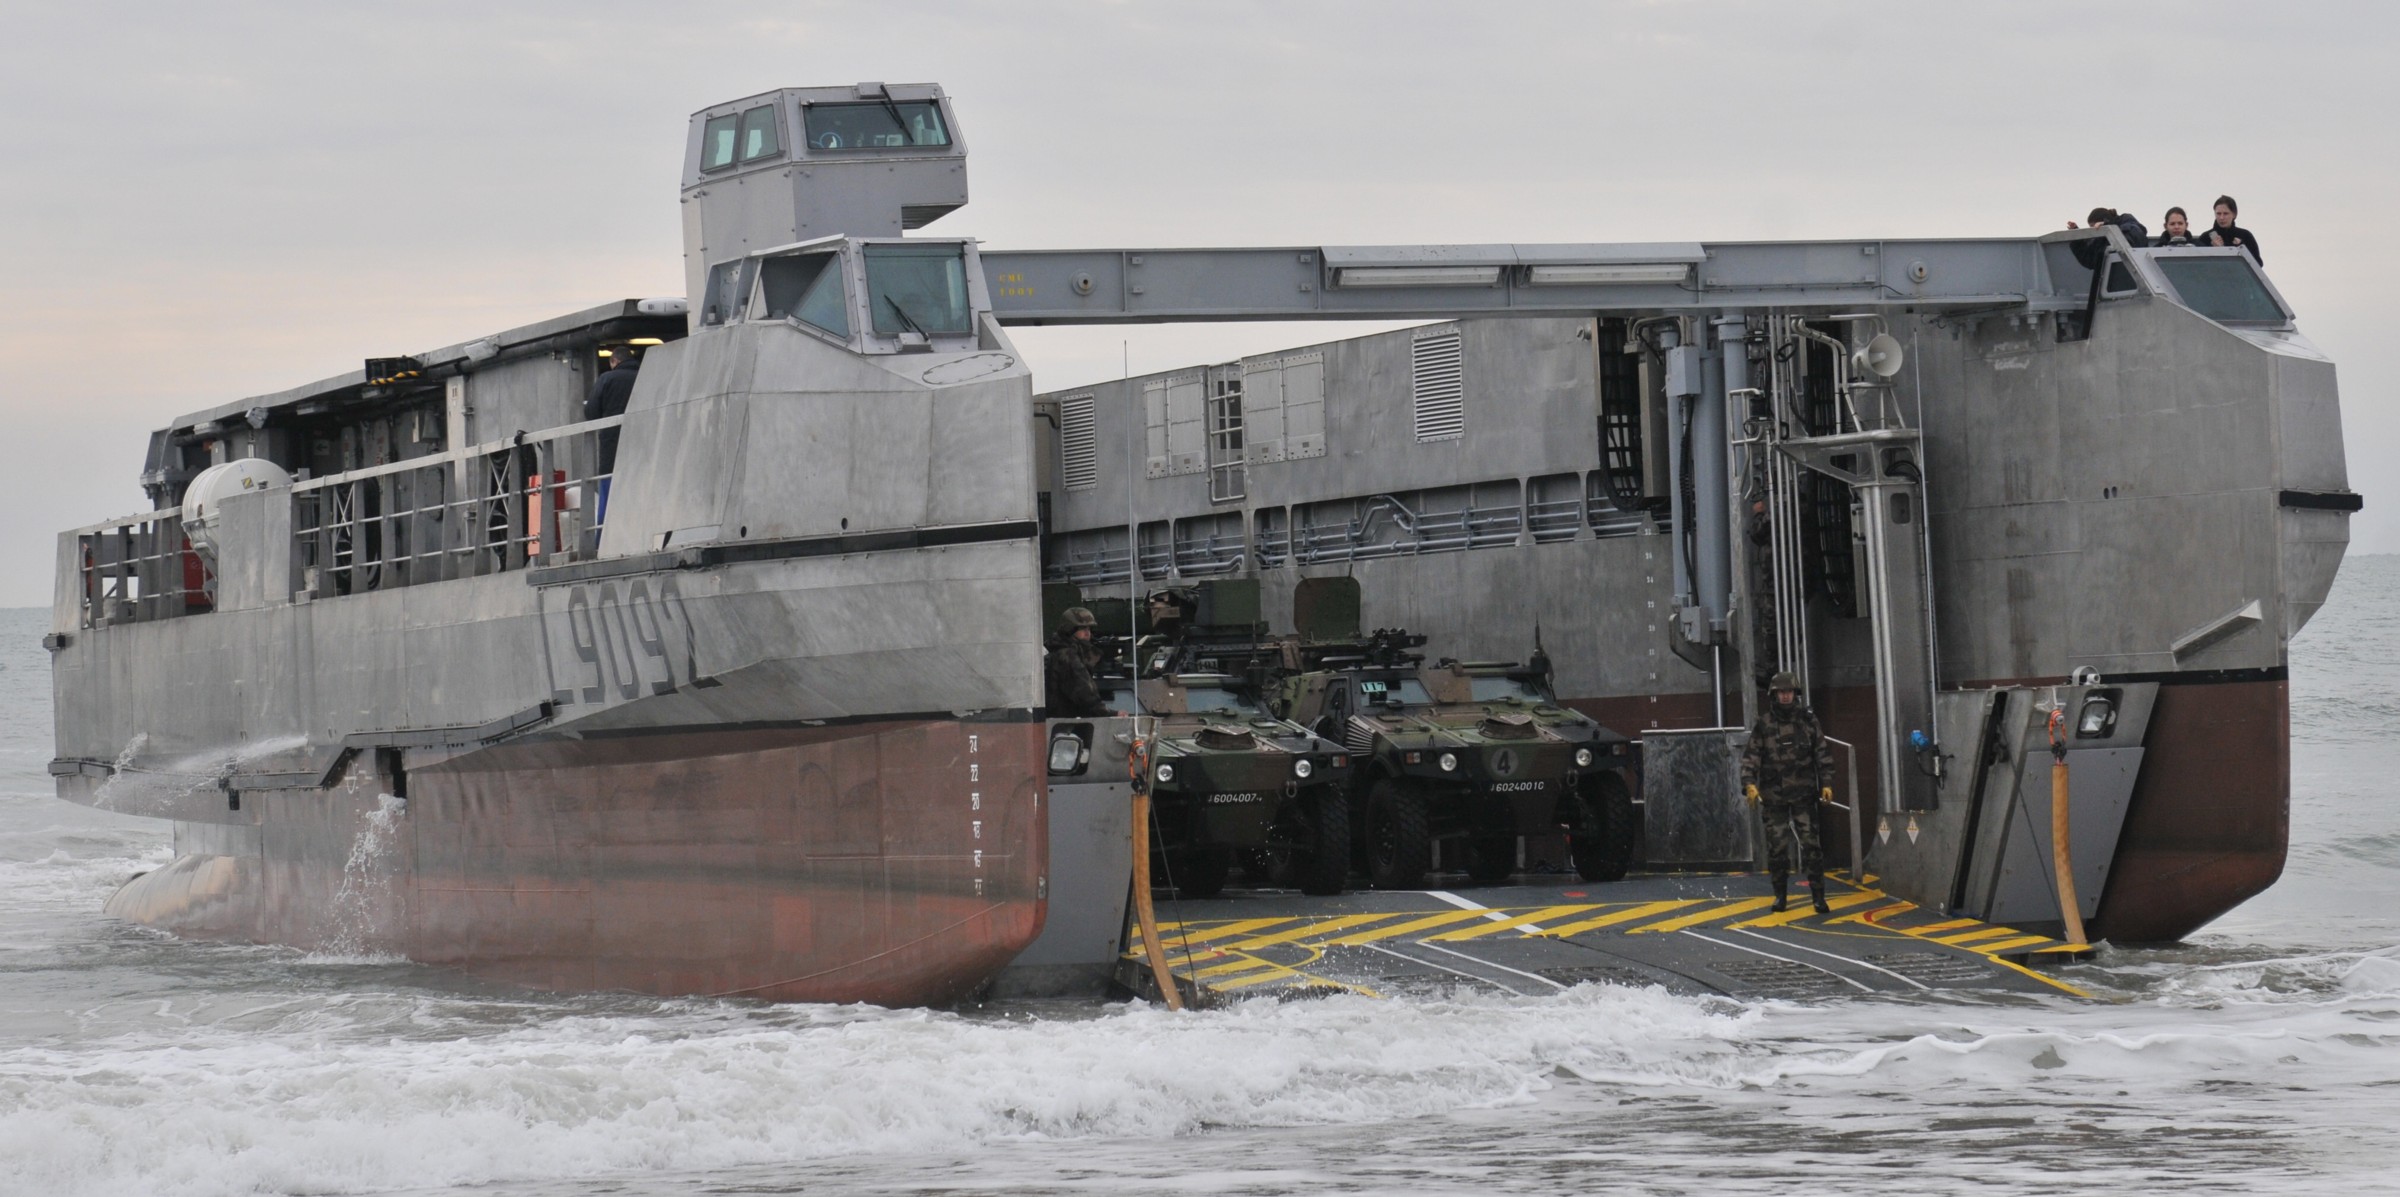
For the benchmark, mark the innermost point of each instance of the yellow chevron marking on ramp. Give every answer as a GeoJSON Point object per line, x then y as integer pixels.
{"type": "Point", "coordinates": [1952, 925]}
{"type": "Point", "coordinates": [1837, 901]}
{"type": "Point", "coordinates": [2021, 941]}
{"type": "Point", "coordinates": [1174, 936]}
{"type": "Point", "coordinates": [1241, 965]}
{"type": "Point", "coordinates": [1971, 936]}
{"type": "Point", "coordinates": [1874, 918]}
{"type": "Point", "coordinates": [1629, 914]}
{"type": "Point", "coordinates": [1310, 929]}
{"type": "Point", "coordinates": [1443, 919]}
{"type": "Point", "coordinates": [1710, 915]}
{"type": "Point", "coordinates": [1522, 921]}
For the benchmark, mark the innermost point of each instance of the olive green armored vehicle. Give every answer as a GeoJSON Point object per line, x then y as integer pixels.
{"type": "Point", "coordinates": [1473, 753]}
{"type": "Point", "coordinates": [1228, 779]}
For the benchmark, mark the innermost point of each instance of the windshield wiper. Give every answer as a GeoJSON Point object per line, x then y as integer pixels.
{"type": "Point", "coordinates": [899, 122]}
{"type": "Point", "coordinates": [907, 319]}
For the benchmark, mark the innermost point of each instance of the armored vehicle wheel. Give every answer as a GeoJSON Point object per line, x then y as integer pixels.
{"type": "Point", "coordinates": [1398, 848]}
{"type": "Point", "coordinates": [1491, 858]}
{"type": "Point", "coordinates": [1604, 835]}
{"type": "Point", "coordinates": [1324, 867]}
{"type": "Point", "coordinates": [1201, 872]}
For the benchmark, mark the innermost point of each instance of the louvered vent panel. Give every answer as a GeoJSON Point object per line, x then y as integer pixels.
{"type": "Point", "coordinates": [1436, 383]}
{"type": "Point", "coordinates": [1359, 736]}
{"type": "Point", "coordinates": [1079, 444]}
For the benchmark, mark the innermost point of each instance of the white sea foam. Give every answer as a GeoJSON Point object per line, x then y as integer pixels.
{"type": "Point", "coordinates": [703, 1086]}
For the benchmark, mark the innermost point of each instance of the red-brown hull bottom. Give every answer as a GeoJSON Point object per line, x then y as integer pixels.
{"type": "Point", "coordinates": [896, 863]}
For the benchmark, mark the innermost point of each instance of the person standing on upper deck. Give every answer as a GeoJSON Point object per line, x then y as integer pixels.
{"type": "Point", "coordinates": [607, 397]}
{"type": "Point", "coordinates": [2176, 230]}
{"type": "Point", "coordinates": [2088, 252]}
{"type": "Point", "coordinates": [1787, 769]}
{"type": "Point", "coordinates": [2226, 232]}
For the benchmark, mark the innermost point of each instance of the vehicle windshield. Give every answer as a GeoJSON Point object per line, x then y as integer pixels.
{"type": "Point", "coordinates": [919, 288]}
{"type": "Point", "coordinates": [1397, 692]}
{"type": "Point", "coordinates": [875, 125]}
{"type": "Point", "coordinates": [1506, 689]}
{"type": "Point", "coordinates": [1118, 695]}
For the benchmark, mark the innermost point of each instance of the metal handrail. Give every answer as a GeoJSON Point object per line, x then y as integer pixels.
{"type": "Point", "coordinates": [1858, 875]}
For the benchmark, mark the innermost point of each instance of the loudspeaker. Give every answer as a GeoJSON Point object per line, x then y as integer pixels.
{"type": "Point", "coordinates": [1880, 356]}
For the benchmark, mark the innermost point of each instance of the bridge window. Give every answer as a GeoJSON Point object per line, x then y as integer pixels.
{"type": "Point", "coordinates": [2223, 288]}
{"type": "Point", "coordinates": [806, 287]}
{"type": "Point", "coordinates": [758, 134]}
{"type": "Point", "coordinates": [918, 288]}
{"type": "Point", "coordinates": [718, 140]}
{"type": "Point", "coordinates": [884, 125]}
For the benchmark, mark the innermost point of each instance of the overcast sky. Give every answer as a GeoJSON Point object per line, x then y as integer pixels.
{"type": "Point", "coordinates": [200, 202]}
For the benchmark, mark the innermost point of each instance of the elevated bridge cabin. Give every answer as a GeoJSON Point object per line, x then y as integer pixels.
{"type": "Point", "coordinates": [800, 164]}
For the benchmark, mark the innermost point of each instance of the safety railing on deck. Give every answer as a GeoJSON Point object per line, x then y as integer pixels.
{"type": "Point", "coordinates": [486, 509]}
{"type": "Point", "coordinates": [139, 569]}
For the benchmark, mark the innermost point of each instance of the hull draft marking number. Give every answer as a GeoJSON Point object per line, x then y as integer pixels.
{"type": "Point", "coordinates": [615, 641]}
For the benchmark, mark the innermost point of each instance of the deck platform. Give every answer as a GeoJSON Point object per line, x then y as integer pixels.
{"type": "Point", "coordinates": [1689, 933]}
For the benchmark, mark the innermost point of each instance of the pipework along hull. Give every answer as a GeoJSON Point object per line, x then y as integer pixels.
{"type": "Point", "coordinates": [895, 861]}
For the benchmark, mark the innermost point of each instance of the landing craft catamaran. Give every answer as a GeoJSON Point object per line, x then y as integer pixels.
{"type": "Point", "coordinates": [740, 692]}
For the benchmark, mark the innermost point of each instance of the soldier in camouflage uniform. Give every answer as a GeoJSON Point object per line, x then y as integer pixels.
{"type": "Point", "coordinates": [1786, 771]}
{"type": "Point", "coordinates": [1067, 685]}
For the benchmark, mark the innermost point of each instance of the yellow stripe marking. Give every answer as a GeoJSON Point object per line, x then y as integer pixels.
{"type": "Point", "coordinates": [1524, 921]}
{"type": "Point", "coordinates": [1173, 935]}
{"type": "Point", "coordinates": [1305, 930]}
{"type": "Point", "coordinates": [2007, 944]}
{"type": "Point", "coordinates": [1952, 925]}
{"type": "Point", "coordinates": [1873, 918]}
{"type": "Point", "coordinates": [1837, 901]}
{"type": "Point", "coordinates": [1443, 919]}
{"type": "Point", "coordinates": [1629, 914]}
{"type": "Point", "coordinates": [1986, 932]}
{"type": "Point", "coordinates": [1710, 915]}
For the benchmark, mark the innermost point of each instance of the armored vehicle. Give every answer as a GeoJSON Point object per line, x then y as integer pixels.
{"type": "Point", "coordinates": [1476, 753]}
{"type": "Point", "coordinates": [1228, 779]}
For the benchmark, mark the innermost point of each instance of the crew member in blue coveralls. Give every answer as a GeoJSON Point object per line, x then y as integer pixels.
{"type": "Point", "coordinates": [1787, 769]}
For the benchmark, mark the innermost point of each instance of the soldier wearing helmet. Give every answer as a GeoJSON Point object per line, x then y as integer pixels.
{"type": "Point", "coordinates": [1787, 769]}
{"type": "Point", "coordinates": [1067, 685]}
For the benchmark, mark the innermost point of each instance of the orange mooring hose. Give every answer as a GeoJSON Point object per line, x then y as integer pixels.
{"type": "Point", "coordinates": [1143, 911]}
{"type": "Point", "coordinates": [2061, 859]}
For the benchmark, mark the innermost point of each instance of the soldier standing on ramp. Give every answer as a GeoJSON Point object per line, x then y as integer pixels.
{"type": "Point", "coordinates": [1786, 771]}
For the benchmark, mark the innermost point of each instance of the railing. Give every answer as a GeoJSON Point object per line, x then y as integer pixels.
{"type": "Point", "coordinates": [490, 508]}
{"type": "Point", "coordinates": [141, 568]}
{"type": "Point", "coordinates": [485, 509]}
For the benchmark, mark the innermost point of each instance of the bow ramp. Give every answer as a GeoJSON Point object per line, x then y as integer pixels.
{"type": "Point", "coordinates": [1695, 934]}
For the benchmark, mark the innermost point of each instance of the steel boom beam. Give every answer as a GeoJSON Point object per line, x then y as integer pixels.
{"type": "Point", "coordinates": [1105, 286]}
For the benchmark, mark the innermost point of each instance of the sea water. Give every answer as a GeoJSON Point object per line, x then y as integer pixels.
{"type": "Point", "coordinates": [2261, 1057]}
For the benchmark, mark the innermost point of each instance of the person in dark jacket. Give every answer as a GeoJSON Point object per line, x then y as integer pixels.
{"type": "Point", "coordinates": [1067, 686]}
{"type": "Point", "coordinates": [607, 397]}
{"type": "Point", "coordinates": [1787, 769]}
{"type": "Point", "coordinates": [2226, 232]}
{"type": "Point", "coordinates": [2176, 229]}
{"type": "Point", "coordinates": [2088, 252]}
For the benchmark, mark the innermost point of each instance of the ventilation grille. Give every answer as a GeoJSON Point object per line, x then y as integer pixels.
{"type": "Point", "coordinates": [1436, 384]}
{"type": "Point", "coordinates": [1079, 444]}
{"type": "Point", "coordinates": [1359, 736]}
